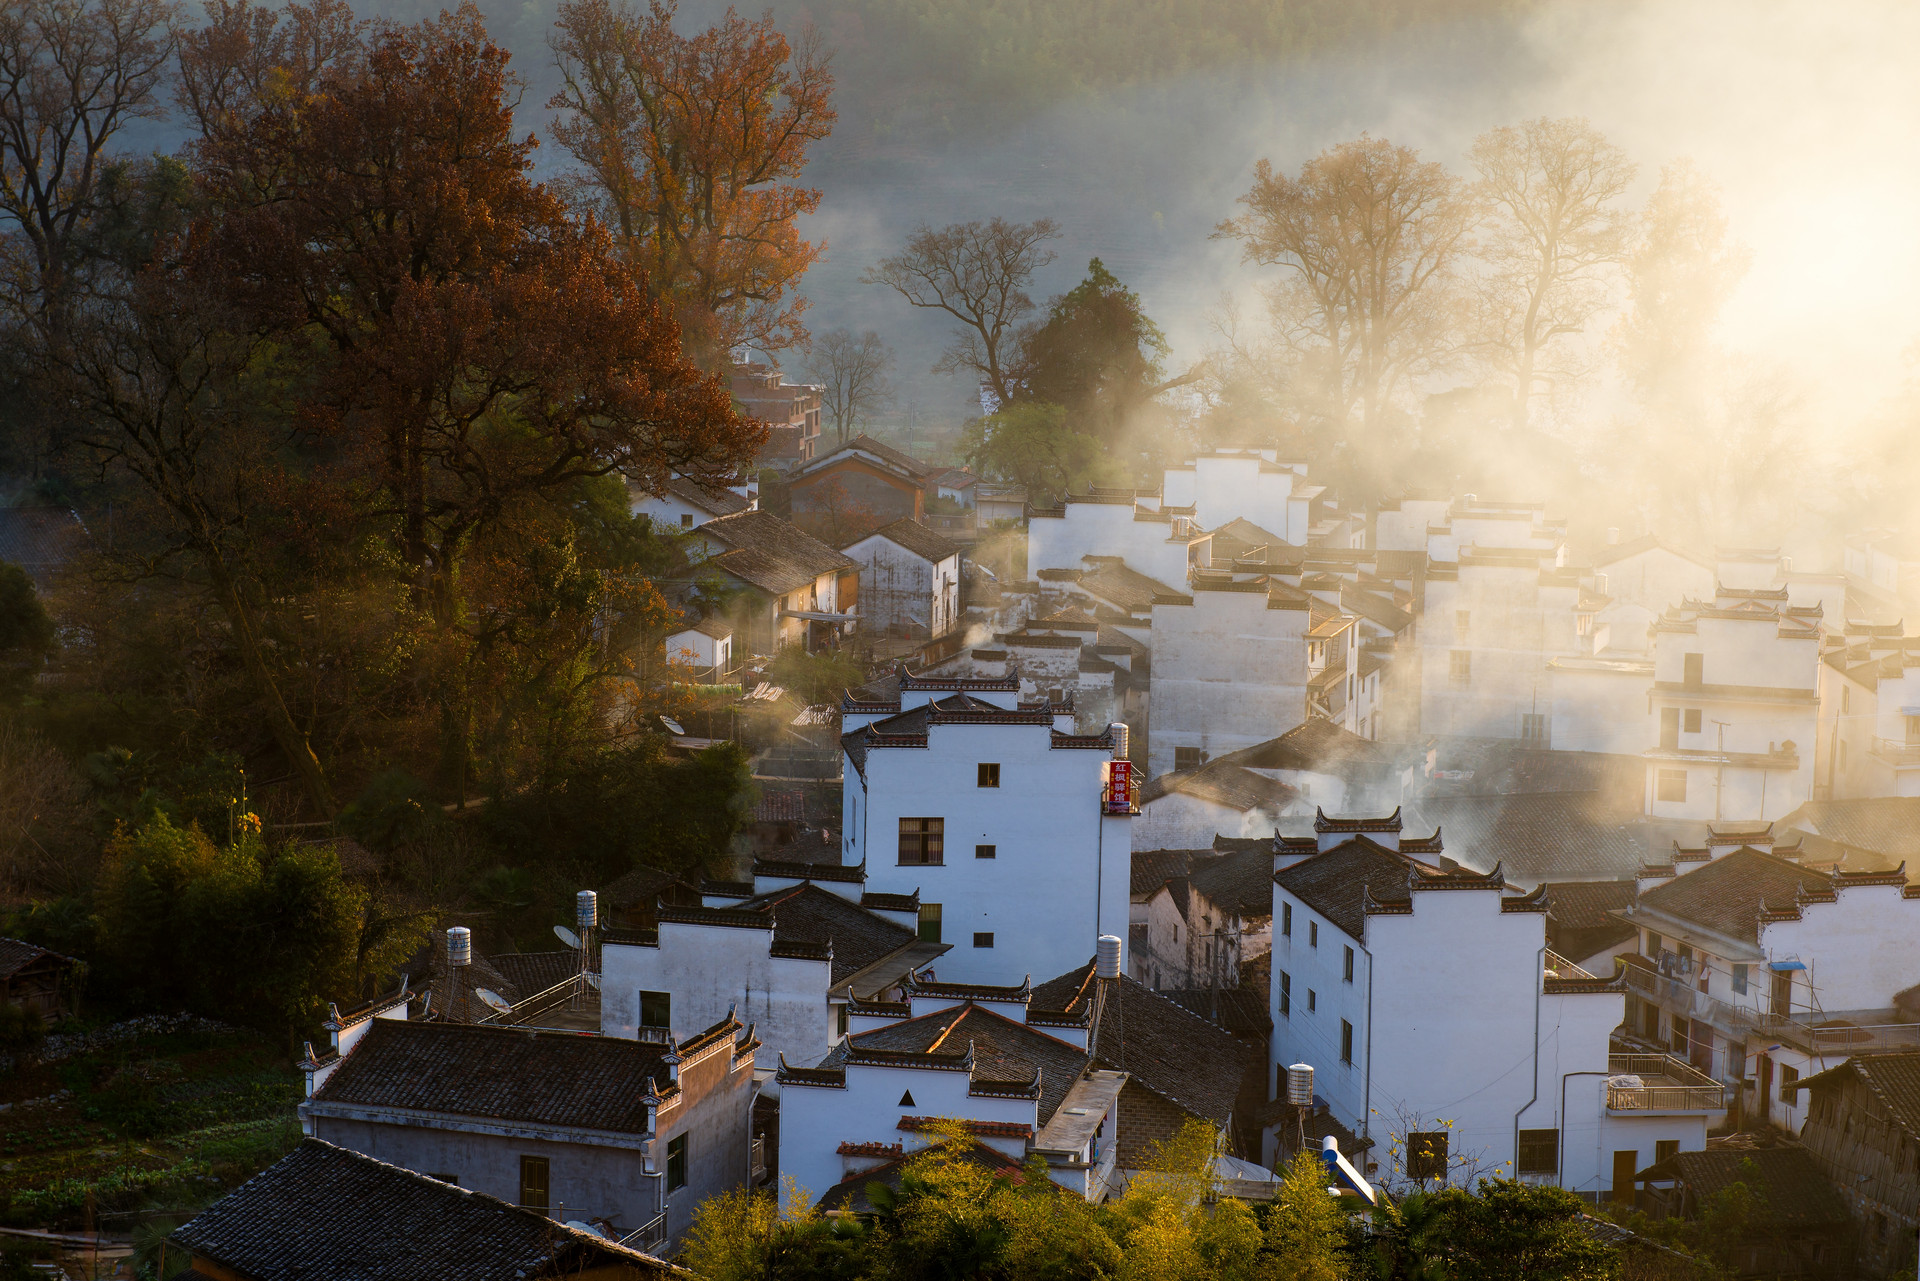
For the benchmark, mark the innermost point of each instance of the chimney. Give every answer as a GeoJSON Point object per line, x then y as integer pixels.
{"type": "Point", "coordinates": [1107, 957]}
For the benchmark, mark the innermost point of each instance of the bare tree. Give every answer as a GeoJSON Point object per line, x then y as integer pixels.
{"type": "Point", "coordinates": [978, 273]}
{"type": "Point", "coordinates": [1370, 236]}
{"type": "Point", "coordinates": [854, 373]}
{"type": "Point", "coordinates": [73, 74]}
{"type": "Point", "coordinates": [1554, 239]}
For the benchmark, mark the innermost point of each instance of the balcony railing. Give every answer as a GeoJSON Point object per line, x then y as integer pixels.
{"type": "Point", "coordinates": [1897, 751]}
{"type": "Point", "coordinates": [1666, 1084]}
{"type": "Point", "coordinates": [1565, 969]}
{"type": "Point", "coordinates": [648, 1237]}
{"type": "Point", "coordinates": [1834, 1034]}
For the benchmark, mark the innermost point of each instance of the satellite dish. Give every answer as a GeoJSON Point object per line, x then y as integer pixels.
{"type": "Point", "coordinates": [673, 726]}
{"type": "Point", "coordinates": [493, 999]}
{"type": "Point", "coordinates": [593, 980]}
{"type": "Point", "coordinates": [566, 936]}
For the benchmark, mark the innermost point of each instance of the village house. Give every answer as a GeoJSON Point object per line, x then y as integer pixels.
{"type": "Point", "coordinates": [36, 979]}
{"type": "Point", "coordinates": [1087, 1071]}
{"type": "Point", "coordinates": [703, 644]}
{"type": "Point", "coordinates": [1239, 658]}
{"type": "Point", "coordinates": [1805, 1228]}
{"type": "Point", "coordinates": [1862, 833]}
{"type": "Point", "coordinates": [1651, 574]}
{"type": "Point", "coordinates": [1869, 739]}
{"type": "Point", "coordinates": [1883, 564]}
{"type": "Point", "coordinates": [683, 504]}
{"type": "Point", "coordinates": [627, 1133]}
{"type": "Point", "coordinates": [1188, 808]}
{"type": "Point", "coordinates": [1248, 484]}
{"type": "Point", "coordinates": [1006, 823]}
{"type": "Point", "coordinates": [862, 485]}
{"type": "Point", "coordinates": [1761, 971]}
{"type": "Point", "coordinates": [1863, 1131]}
{"type": "Point", "coordinates": [786, 952]}
{"type": "Point", "coordinates": [1584, 924]}
{"type": "Point", "coordinates": [1177, 935]}
{"type": "Point", "coordinates": [909, 581]}
{"type": "Point", "coordinates": [1494, 616]}
{"type": "Point", "coordinates": [1541, 815]}
{"type": "Point", "coordinates": [790, 410]}
{"type": "Point", "coordinates": [328, 1211]}
{"type": "Point", "coordinates": [795, 590]}
{"type": "Point", "coordinates": [1736, 707]}
{"type": "Point", "coordinates": [1365, 934]}
{"type": "Point", "coordinates": [1074, 658]}
{"type": "Point", "coordinates": [1161, 545]}
{"type": "Point", "coordinates": [1000, 505]}
{"type": "Point", "coordinates": [1333, 768]}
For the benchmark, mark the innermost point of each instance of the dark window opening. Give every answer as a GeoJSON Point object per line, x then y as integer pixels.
{"type": "Point", "coordinates": [656, 1011]}
{"type": "Point", "coordinates": [930, 923]}
{"type": "Point", "coordinates": [989, 775]}
{"type": "Point", "coordinates": [923, 840]}
{"type": "Point", "coordinates": [533, 1182]}
{"type": "Point", "coordinates": [985, 851]}
{"type": "Point", "coordinates": [983, 938]}
{"type": "Point", "coordinates": [1427, 1154]}
{"type": "Point", "coordinates": [1539, 1152]}
{"type": "Point", "coordinates": [676, 1163]}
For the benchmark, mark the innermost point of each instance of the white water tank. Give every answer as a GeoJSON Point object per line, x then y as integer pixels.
{"type": "Point", "coordinates": [1107, 957]}
{"type": "Point", "coordinates": [1120, 742]}
{"type": "Point", "coordinates": [459, 946]}
{"type": "Point", "coordinates": [1300, 1084]}
{"type": "Point", "coordinates": [586, 910]}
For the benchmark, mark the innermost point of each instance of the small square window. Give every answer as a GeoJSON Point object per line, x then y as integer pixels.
{"type": "Point", "coordinates": [1539, 1152]}
{"type": "Point", "coordinates": [983, 939]}
{"type": "Point", "coordinates": [1692, 725]}
{"type": "Point", "coordinates": [1186, 758]}
{"type": "Point", "coordinates": [989, 774]}
{"type": "Point", "coordinates": [923, 841]}
{"type": "Point", "coordinates": [676, 1163]}
{"type": "Point", "coordinates": [686, 520]}
{"type": "Point", "coordinates": [930, 923]}
{"type": "Point", "coordinates": [984, 851]}
{"type": "Point", "coordinates": [533, 1182]}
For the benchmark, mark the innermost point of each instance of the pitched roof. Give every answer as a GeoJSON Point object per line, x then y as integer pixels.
{"type": "Point", "coordinates": [898, 459]}
{"type": "Point", "coordinates": [1165, 1048]}
{"type": "Point", "coordinates": [1154, 868]}
{"type": "Point", "coordinates": [1241, 1011]}
{"type": "Point", "coordinates": [1728, 894]}
{"type": "Point", "coordinates": [1645, 543]}
{"type": "Point", "coordinates": [1797, 1193]}
{"type": "Point", "coordinates": [807, 914]}
{"type": "Point", "coordinates": [535, 972]}
{"type": "Point", "coordinates": [718, 628]}
{"type": "Point", "coordinates": [323, 1211]}
{"type": "Point", "coordinates": [1240, 880]}
{"type": "Point", "coordinates": [720, 502]}
{"type": "Point", "coordinates": [41, 539]}
{"type": "Point", "coordinates": [1003, 1050]}
{"type": "Point", "coordinates": [1334, 882]}
{"type": "Point", "coordinates": [1894, 1078]}
{"type": "Point", "coordinates": [1537, 836]}
{"type": "Point", "coordinates": [642, 884]}
{"type": "Point", "coordinates": [915, 537]}
{"type": "Point", "coordinates": [1887, 825]}
{"type": "Point", "coordinates": [506, 1074]}
{"type": "Point", "coordinates": [1321, 747]}
{"type": "Point", "coordinates": [772, 554]}
{"type": "Point", "coordinates": [1117, 583]}
{"type": "Point", "coordinates": [16, 955]}
{"type": "Point", "coordinates": [1588, 905]}
{"type": "Point", "coordinates": [1223, 783]}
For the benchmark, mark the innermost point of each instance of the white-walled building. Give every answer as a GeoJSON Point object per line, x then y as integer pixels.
{"type": "Point", "coordinates": [1247, 484]}
{"type": "Point", "coordinates": [996, 814]}
{"type": "Point", "coordinates": [1735, 707]}
{"type": "Point", "coordinates": [1869, 740]}
{"type": "Point", "coordinates": [1652, 574]}
{"type": "Point", "coordinates": [1161, 546]}
{"type": "Point", "coordinates": [796, 590]}
{"type": "Point", "coordinates": [705, 644]}
{"type": "Point", "coordinates": [786, 953]}
{"type": "Point", "coordinates": [1761, 970]}
{"type": "Point", "coordinates": [1241, 659]}
{"type": "Point", "coordinates": [1462, 1061]}
{"type": "Point", "coordinates": [682, 504]}
{"type": "Point", "coordinates": [1186, 809]}
{"type": "Point", "coordinates": [909, 581]}
{"type": "Point", "coordinates": [1493, 620]}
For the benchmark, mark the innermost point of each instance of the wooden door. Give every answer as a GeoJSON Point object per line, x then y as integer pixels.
{"type": "Point", "coordinates": [1625, 1165]}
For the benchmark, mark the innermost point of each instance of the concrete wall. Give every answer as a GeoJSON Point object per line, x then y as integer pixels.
{"type": "Point", "coordinates": [1228, 672]}
{"type": "Point", "coordinates": [1107, 528]}
{"type": "Point", "coordinates": [708, 968]}
{"type": "Point", "coordinates": [1059, 876]}
{"type": "Point", "coordinates": [1657, 578]}
{"type": "Point", "coordinates": [1179, 822]}
{"type": "Point", "coordinates": [1225, 487]}
{"type": "Point", "coordinates": [1600, 707]}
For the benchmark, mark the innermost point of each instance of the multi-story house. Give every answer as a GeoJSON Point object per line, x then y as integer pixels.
{"type": "Point", "coordinates": [1863, 1130]}
{"type": "Point", "coordinates": [1735, 702]}
{"type": "Point", "coordinates": [1010, 827]}
{"type": "Point", "coordinates": [1760, 970]}
{"type": "Point", "coordinates": [909, 581]}
{"type": "Point", "coordinates": [1494, 618]}
{"type": "Point", "coordinates": [790, 410]}
{"type": "Point", "coordinates": [1242, 657]}
{"type": "Point", "coordinates": [1254, 485]}
{"type": "Point", "coordinates": [683, 504]}
{"type": "Point", "coordinates": [633, 1134]}
{"type": "Point", "coordinates": [862, 485]}
{"type": "Point", "coordinates": [1161, 544]}
{"type": "Point", "coordinates": [1869, 740]}
{"type": "Point", "coordinates": [1511, 1073]}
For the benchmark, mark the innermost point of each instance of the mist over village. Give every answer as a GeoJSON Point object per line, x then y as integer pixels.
{"type": "Point", "coordinates": [1079, 640]}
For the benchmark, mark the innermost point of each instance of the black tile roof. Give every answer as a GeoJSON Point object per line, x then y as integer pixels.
{"type": "Point", "coordinates": [1797, 1193]}
{"type": "Point", "coordinates": [1334, 882]}
{"type": "Point", "coordinates": [1240, 880]}
{"type": "Point", "coordinates": [900, 459]}
{"type": "Point", "coordinates": [913, 536]}
{"type": "Point", "coordinates": [1537, 836]}
{"type": "Point", "coordinates": [1003, 1050]}
{"type": "Point", "coordinates": [807, 914]}
{"type": "Point", "coordinates": [16, 955]}
{"type": "Point", "coordinates": [41, 539]}
{"type": "Point", "coordinates": [1588, 905]}
{"type": "Point", "coordinates": [772, 554]}
{"type": "Point", "coordinates": [1123, 586]}
{"type": "Point", "coordinates": [323, 1212]}
{"type": "Point", "coordinates": [1322, 747]}
{"type": "Point", "coordinates": [1239, 1010]}
{"type": "Point", "coordinates": [642, 885]}
{"type": "Point", "coordinates": [1223, 783]}
{"type": "Point", "coordinates": [535, 972]}
{"type": "Point", "coordinates": [1154, 868]}
{"type": "Point", "coordinates": [720, 502]}
{"type": "Point", "coordinates": [1728, 894]}
{"type": "Point", "coordinates": [505, 1074]}
{"type": "Point", "coordinates": [1169, 1050]}
{"type": "Point", "coordinates": [1887, 825]}
{"type": "Point", "coordinates": [1894, 1078]}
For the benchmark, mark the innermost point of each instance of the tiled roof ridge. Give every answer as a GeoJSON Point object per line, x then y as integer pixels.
{"type": "Point", "coordinates": [854, 1055]}
{"type": "Point", "coordinates": [931, 986]}
{"type": "Point", "coordinates": [1322, 822]}
{"type": "Point", "coordinates": [995, 1129]}
{"type": "Point", "coordinates": [744, 918]}
{"type": "Point", "coordinates": [782, 869]}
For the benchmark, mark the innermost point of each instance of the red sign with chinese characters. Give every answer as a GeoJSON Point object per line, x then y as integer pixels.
{"type": "Point", "coordinates": [1119, 787]}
